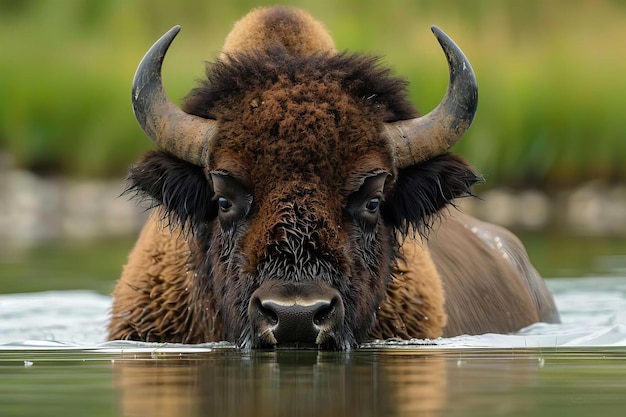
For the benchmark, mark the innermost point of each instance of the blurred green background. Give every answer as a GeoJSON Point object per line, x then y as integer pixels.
{"type": "Point", "coordinates": [551, 76]}
{"type": "Point", "coordinates": [551, 108]}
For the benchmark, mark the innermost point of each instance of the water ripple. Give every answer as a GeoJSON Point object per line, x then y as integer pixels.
{"type": "Point", "coordinates": [593, 311]}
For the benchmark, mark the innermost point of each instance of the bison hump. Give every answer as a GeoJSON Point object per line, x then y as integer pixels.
{"type": "Point", "coordinates": [291, 28]}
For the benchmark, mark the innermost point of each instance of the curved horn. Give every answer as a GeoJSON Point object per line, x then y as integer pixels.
{"type": "Point", "coordinates": [424, 137]}
{"type": "Point", "coordinates": [186, 136]}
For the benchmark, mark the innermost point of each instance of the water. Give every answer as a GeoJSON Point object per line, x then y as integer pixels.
{"type": "Point", "coordinates": [54, 360]}
{"type": "Point", "coordinates": [370, 382]}
{"type": "Point", "coordinates": [593, 312]}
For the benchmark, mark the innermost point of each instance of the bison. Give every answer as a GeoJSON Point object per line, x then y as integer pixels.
{"type": "Point", "coordinates": [300, 201]}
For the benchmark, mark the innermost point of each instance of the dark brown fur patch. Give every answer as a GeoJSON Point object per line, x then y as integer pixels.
{"type": "Point", "coordinates": [358, 76]}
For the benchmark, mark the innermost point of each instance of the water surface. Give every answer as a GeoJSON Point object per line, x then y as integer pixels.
{"type": "Point", "coordinates": [55, 361]}
{"type": "Point", "coordinates": [221, 381]}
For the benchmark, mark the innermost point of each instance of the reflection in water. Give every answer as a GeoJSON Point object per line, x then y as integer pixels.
{"type": "Point", "coordinates": [573, 382]}
{"type": "Point", "coordinates": [285, 383]}
{"type": "Point", "coordinates": [303, 383]}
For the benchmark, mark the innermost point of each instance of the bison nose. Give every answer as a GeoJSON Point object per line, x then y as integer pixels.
{"type": "Point", "coordinates": [295, 321]}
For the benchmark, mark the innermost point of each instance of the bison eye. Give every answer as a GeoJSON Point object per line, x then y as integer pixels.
{"type": "Point", "coordinates": [372, 205]}
{"type": "Point", "coordinates": [224, 204]}
{"type": "Point", "coordinates": [367, 214]}
{"type": "Point", "coordinates": [364, 204]}
{"type": "Point", "coordinates": [232, 198]}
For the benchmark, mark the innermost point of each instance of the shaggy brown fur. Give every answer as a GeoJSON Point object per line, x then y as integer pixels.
{"type": "Point", "coordinates": [156, 289]}
{"type": "Point", "coordinates": [156, 296]}
{"type": "Point", "coordinates": [298, 156]}
{"type": "Point", "coordinates": [414, 304]}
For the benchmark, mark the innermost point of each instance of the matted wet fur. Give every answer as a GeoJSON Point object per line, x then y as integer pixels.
{"type": "Point", "coordinates": [300, 186]}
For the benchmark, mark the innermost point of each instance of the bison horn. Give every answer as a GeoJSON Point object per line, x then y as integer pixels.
{"type": "Point", "coordinates": [184, 135]}
{"type": "Point", "coordinates": [424, 137]}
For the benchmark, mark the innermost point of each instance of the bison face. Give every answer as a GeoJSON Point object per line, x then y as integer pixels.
{"type": "Point", "coordinates": [287, 212]}
{"type": "Point", "coordinates": [289, 182]}
{"type": "Point", "coordinates": [299, 174]}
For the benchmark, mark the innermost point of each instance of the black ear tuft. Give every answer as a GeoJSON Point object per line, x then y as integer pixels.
{"type": "Point", "coordinates": [422, 190]}
{"type": "Point", "coordinates": [180, 188]}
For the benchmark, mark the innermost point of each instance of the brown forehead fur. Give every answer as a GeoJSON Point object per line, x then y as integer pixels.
{"type": "Point", "coordinates": [274, 107]}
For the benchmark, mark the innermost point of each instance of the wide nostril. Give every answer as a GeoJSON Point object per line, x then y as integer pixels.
{"type": "Point", "coordinates": [325, 313]}
{"type": "Point", "coordinates": [266, 311]}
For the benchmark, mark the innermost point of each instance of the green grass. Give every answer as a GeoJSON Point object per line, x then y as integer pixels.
{"type": "Point", "coordinates": [550, 76]}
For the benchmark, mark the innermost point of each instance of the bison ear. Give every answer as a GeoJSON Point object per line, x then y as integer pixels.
{"type": "Point", "coordinates": [180, 188]}
{"type": "Point", "coordinates": [423, 189]}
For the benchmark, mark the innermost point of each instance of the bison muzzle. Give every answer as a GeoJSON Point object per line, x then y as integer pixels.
{"type": "Point", "coordinates": [297, 315]}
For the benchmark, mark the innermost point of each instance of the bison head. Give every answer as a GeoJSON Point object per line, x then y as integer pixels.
{"type": "Point", "coordinates": [295, 175]}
